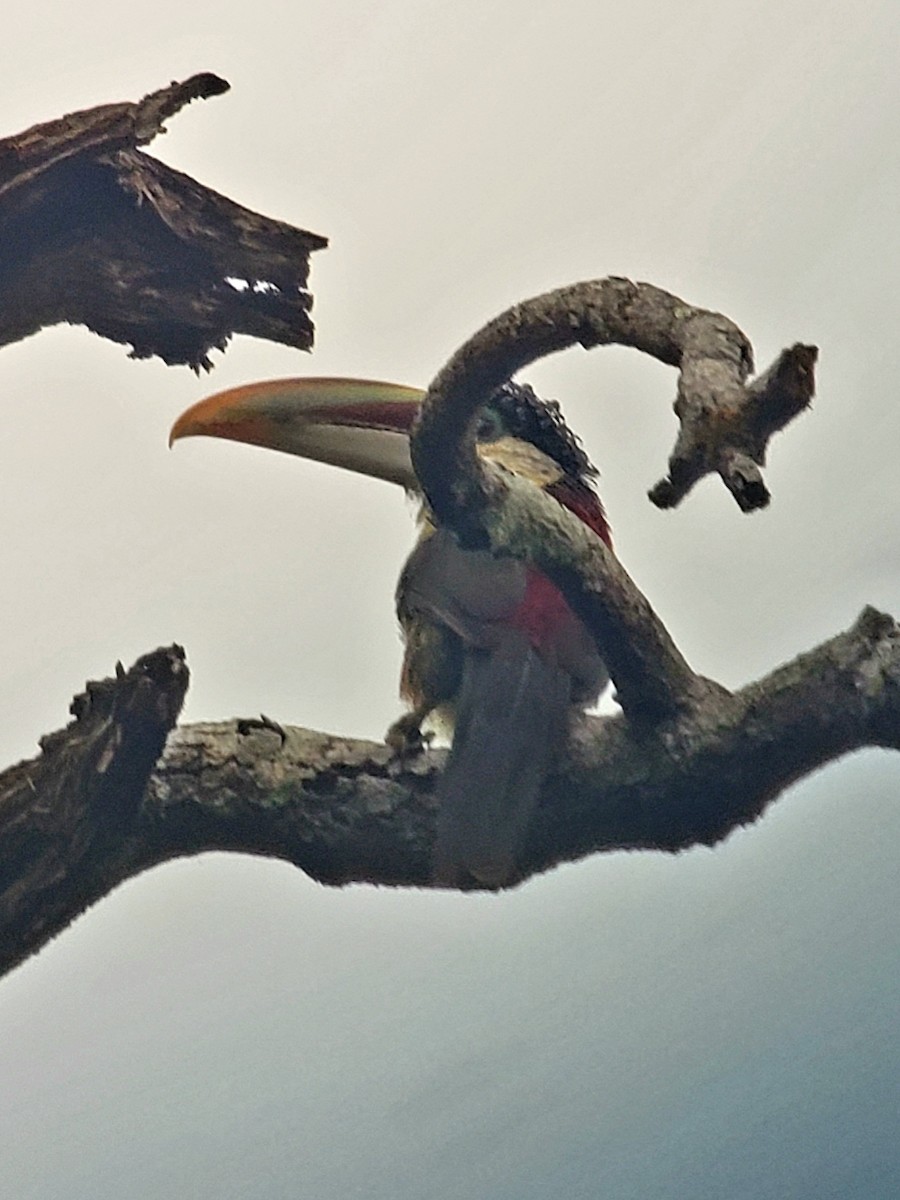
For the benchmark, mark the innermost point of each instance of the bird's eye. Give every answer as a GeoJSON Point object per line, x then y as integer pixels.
{"type": "Point", "coordinates": [489, 428]}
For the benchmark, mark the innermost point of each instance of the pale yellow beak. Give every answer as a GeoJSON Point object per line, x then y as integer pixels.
{"type": "Point", "coordinates": [360, 424]}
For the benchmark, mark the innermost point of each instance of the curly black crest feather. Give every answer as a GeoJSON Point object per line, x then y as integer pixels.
{"type": "Point", "coordinates": [540, 422]}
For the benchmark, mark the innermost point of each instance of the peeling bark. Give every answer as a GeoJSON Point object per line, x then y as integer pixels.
{"type": "Point", "coordinates": [95, 232]}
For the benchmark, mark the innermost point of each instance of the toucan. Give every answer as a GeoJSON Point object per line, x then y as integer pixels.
{"type": "Point", "coordinates": [493, 652]}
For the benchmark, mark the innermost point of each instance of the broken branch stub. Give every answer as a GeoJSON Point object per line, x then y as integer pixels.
{"type": "Point", "coordinates": [95, 232]}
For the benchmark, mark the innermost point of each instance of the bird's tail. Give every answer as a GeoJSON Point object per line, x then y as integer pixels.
{"type": "Point", "coordinates": [511, 722]}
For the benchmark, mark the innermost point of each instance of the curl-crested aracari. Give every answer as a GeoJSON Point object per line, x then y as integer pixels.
{"type": "Point", "coordinates": [493, 650]}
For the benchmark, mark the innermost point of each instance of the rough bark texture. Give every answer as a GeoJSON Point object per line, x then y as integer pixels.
{"type": "Point", "coordinates": [94, 232]}
{"type": "Point", "coordinates": [725, 424]}
{"type": "Point", "coordinates": [69, 819]}
{"type": "Point", "coordinates": [92, 810]}
{"type": "Point", "coordinates": [725, 427]}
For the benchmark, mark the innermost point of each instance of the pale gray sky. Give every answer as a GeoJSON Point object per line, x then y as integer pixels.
{"type": "Point", "coordinates": [721, 1025]}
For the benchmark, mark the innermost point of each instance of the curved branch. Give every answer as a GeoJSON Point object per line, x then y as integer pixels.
{"type": "Point", "coordinates": [27, 155]}
{"type": "Point", "coordinates": [726, 424]}
{"type": "Point", "coordinates": [72, 824]}
{"type": "Point", "coordinates": [725, 427]}
{"type": "Point", "coordinates": [652, 678]}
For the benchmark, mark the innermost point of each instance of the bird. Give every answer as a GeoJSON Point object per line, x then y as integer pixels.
{"type": "Point", "coordinates": [494, 655]}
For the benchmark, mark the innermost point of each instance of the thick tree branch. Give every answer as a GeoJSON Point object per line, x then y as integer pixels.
{"type": "Point", "coordinates": [347, 811]}
{"type": "Point", "coordinates": [95, 232]}
{"type": "Point", "coordinates": [725, 427]}
{"type": "Point", "coordinates": [726, 424]}
{"type": "Point", "coordinates": [69, 819]}
{"type": "Point", "coordinates": [72, 824]}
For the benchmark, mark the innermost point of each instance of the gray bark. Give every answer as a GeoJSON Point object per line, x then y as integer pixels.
{"type": "Point", "coordinates": [101, 804]}
{"type": "Point", "coordinates": [94, 231]}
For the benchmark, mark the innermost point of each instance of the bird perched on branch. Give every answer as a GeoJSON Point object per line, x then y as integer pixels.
{"type": "Point", "coordinates": [492, 649]}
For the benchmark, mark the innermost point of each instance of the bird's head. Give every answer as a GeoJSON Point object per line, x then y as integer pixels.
{"type": "Point", "coordinates": [364, 426]}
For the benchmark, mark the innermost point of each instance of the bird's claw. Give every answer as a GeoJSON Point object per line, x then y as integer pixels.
{"type": "Point", "coordinates": [405, 737]}
{"type": "Point", "coordinates": [247, 725]}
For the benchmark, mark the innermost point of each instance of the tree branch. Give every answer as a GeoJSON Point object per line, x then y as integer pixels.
{"type": "Point", "coordinates": [652, 678]}
{"type": "Point", "coordinates": [727, 431]}
{"type": "Point", "coordinates": [347, 811]}
{"type": "Point", "coordinates": [69, 819]}
{"type": "Point", "coordinates": [73, 825]}
{"type": "Point", "coordinates": [725, 427]}
{"type": "Point", "coordinates": [94, 232]}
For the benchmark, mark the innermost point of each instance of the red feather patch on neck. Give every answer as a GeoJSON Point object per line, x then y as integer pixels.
{"type": "Point", "coordinates": [585, 504]}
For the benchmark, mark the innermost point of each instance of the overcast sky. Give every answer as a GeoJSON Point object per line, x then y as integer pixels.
{"type": "Point", "coordinates": [721, 1025]}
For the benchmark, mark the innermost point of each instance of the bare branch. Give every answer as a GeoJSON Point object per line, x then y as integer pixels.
{"type": "Point", "coordinates": [730, 434]}
{"type": "Point", "coordinates": [725, 428]}
{"type": "Point", "coordinates": [72, 828]}
{"type": "Point", "coordinates": [111, 126]}
{"type": "Point", "coordinates": [346, 811]}
{"type": "Point", "coordinates": [726, 423]}
{"type": "Point", "coordinates": [97, 233]}
{"type": "Point", "coordinates": [68, 819]}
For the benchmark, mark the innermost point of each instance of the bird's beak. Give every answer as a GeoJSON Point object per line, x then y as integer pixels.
{"type": "Point", "coordinates": [359, 424]}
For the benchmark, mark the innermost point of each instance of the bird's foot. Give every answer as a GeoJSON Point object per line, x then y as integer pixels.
{"type": "Point", "coordinates": [405, 736]}
{"type": "Point", "coordinates": [246, 725]}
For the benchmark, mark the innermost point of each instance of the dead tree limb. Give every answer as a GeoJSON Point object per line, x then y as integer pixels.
{"type": "Point", "coordinates": [725, 427]}
{"type": "Point", "coordinates": [68, 819]}
{"type": "Point", "coordinates": [95, 232]}
{"type": "Point", "coordinates": [726, 424]}
{"type": "Point", "coordinates": [78, 820]}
